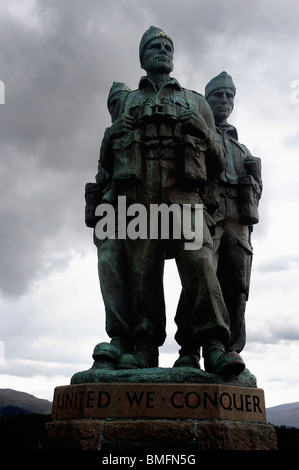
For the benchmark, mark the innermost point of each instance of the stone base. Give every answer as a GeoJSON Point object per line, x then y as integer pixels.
{"type": "Point", "coordinates": [159, 436]}
{"type": "Point", "coordinates": [155, 417]}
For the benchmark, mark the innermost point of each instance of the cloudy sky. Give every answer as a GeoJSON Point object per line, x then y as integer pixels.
{"type": "Point", "coordinates": [58, 60]}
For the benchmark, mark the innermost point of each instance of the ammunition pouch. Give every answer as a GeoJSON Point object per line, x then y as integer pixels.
{"type": "Point", "coordinates": [127, 156]}
{"type": "Point", "coordinates": [194, 159]}
{"type": "Point", "coordinates": [248, 200]}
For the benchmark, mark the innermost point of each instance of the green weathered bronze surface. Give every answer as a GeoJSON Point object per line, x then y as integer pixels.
{"type": "Point", "coordinates": [162, 375]}
{"type": "Point", "coordinates": [170, 145]}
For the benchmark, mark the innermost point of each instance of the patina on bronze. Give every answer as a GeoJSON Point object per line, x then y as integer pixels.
{"type": "Point", "coordinates": [240, 189]}
{"type": "Point", "coordinates": [163, 147]}
{"type": "Point", "coordinates": [169, 145]}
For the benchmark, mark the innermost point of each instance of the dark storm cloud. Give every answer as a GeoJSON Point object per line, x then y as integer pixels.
{"type": "Point", "coordinates": [58, 67]}
{"type": "Point", "coordinates": [54, 115]}
{"type": "Point", "coordinates": [236, 34]}
{"type": "Point", "coordinates": [57, 80]}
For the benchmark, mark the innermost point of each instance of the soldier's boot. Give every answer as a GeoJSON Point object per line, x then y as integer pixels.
{"type": "Point", "coordinates": [189, 357]}
{"type": "Point", "coordinates": [217, 361]}
{"type": "Point", "coordinates": [144, 356]}
{"type": "Point", "coordinates": [107, 355]}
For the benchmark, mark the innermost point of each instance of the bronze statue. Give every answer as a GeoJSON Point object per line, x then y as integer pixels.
{"type": "Point", "coordinates": [163, 148]}
{"type": "Point", "coordinates": [240, 188]}
{"type": "Point", "coordinates": [112, 263]}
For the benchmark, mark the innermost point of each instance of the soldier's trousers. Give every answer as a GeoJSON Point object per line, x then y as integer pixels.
{"type": "Point", "coordinates": [114, 283]}
{"type": "Point", "coordinates": [232, 258]}
{"type": "Point", "coordinates": [204, 315]}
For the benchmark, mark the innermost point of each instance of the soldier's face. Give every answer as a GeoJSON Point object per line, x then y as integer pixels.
{"type": "Point", "coordinates": [222, 103]}
{"type": "Point", "coordinates": [158, 56]}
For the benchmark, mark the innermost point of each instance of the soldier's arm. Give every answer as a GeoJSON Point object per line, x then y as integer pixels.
{"type": "Point", "coordinates": [106, 153]}
{"type": "Point", "coordinates": [119, 128]}
{"type": "Point", "coordinates": [200, 123]}
{"type": "Point", "coordinates": [216, 153]}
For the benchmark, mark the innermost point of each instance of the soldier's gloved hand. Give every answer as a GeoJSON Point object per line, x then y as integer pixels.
{"type": "Point", "coordinates": [193, 123]}
{"type": "Point", "coordinates": [121, 126]}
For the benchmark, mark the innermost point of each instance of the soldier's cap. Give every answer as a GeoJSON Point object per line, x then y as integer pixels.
{"type": "Point", "coordinates": [117, 87]}
{"type": "Point", "coordinates": [152, 33]}
{"type": "Point", "coordinates": [223, 80]}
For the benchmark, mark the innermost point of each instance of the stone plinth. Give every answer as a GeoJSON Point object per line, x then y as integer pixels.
{"type": "Point", "coordinates": [156, 417]}
{"type": "Point", "coordinates": [159, 436]}
{"type": "Point", "coordinates": [175, 401]}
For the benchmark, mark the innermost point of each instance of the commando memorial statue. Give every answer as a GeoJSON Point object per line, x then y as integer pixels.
{"type": "Point", "coordinates": [173, 182]}
{"type": "Point", "coordinates": [171, 152]}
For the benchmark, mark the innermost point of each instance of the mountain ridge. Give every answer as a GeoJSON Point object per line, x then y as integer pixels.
{"type": "Point", "coordinates": [286, 414]}
{"type": "Point", "coordinates": [14, 402]}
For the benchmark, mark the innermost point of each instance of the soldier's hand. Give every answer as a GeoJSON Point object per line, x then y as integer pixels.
{"type": "Point", "coordinates": [253, 167]}
{"type": "Point", "coordinates": [193, 123]}
{"type": "Point", "coordinates": [121, 126]}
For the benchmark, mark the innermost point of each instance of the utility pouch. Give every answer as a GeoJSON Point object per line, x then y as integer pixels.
{"type": "Point", "coordinates": [248, 200]}
{"type": "Point", "coordinates": [92, 200]}
{"type": "Point", "coordinates": [194, 159]}
{"type": "Point", "coordinates": [127, 156]}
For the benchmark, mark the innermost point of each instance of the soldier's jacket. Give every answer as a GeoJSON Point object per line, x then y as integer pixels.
{"type": "Point", "coordinates": [158, 134]}
{"type": "Point", "coordinates": [241, 177]}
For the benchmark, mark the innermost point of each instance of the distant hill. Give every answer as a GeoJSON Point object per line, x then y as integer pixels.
{"type": "Point", "coordinates": [284, 415]}
{"type": "Point", "coordinates": [13, 403]}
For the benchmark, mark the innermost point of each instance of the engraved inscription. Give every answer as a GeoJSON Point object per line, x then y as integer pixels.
{"type": "Point", "coordinates": [79, 400]}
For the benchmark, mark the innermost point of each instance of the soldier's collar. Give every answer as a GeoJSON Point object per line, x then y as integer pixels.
{"type": "Point", "coordinates": [145, 82]}
{"type": "Point", "coordinates": [228, 129]}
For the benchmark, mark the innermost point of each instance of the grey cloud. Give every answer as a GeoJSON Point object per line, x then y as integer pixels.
{"type": "Point", "coordinates": [228, 34]}
{"type": "Point", "coordinates": [280, 331]}
{"type": "Point", "coordinates": [279, 264]}
{"type": "Point", "coordinates": [55, 114]}
{"type": "Point", "coordinates": [275, 265]}
{"type": "Point", "coordinates": [41, 221]}
{"type": "Point", "coordinates": [27, 368]}
{"type": "Point", "coordinates": [57, 76]}
{"type": "Point", "coordinates": [287, 332]}
{"type": "Point", "coordinates": [292, 141]}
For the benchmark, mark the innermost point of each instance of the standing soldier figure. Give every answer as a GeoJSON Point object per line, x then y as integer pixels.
{"type": "Point", "coordinates": [163, 149]}
{"type": "Point", "coordinates": [240, 188]}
